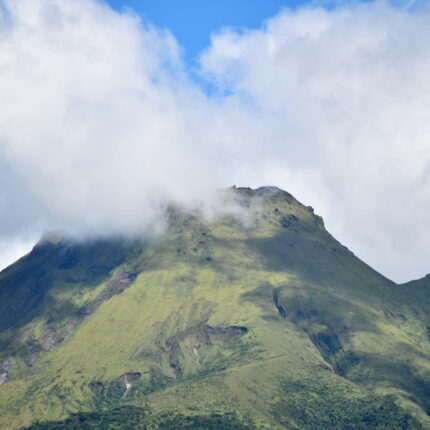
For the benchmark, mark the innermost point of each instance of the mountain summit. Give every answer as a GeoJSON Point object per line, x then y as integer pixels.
{"type": "Point", "coordinates": [257, 319]}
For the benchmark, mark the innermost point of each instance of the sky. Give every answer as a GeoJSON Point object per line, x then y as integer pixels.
{"type": "Point", "coordinates": [193, 21]}
{"type": "Point", "coordinates": [108, 110]}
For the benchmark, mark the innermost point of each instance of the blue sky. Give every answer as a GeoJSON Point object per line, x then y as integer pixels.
{"type": "Point", "coordinates": [192, 21]}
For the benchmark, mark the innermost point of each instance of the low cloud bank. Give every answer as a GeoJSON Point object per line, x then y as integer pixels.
{"type": "Point", "coordinates": [100, 123]}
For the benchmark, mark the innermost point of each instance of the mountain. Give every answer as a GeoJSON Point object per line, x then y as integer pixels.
{"type": "Point", "coordinates": [259, 320]}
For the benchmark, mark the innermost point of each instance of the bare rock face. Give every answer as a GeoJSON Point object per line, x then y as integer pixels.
{"type": "Point", "coordinates": [4, 371]}
{"type": "Point", "coordinates": [128, 379]}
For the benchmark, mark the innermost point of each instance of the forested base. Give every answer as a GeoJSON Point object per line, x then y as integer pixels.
{"type": "Point", "coordinates": [127, 418]}
{"type": "Point", "coordinates": [307, 405]}
{"type": "Point", "coordinates": [362, 415]}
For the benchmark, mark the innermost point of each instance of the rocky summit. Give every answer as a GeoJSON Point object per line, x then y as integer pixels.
{"type": "Point", "coordinates": [257, 319]}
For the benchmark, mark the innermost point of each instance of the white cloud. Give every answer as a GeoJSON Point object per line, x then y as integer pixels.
{"type": "Point", "coordinates": [11, 251]}
{"type": "Point", "coordinates": [345, 98]}
{"type": "Point", "coordinates": [100, 124]}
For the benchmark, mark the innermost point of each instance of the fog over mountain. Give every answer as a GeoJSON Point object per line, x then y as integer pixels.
{"type": "Point", "coordinates": [101, 123]}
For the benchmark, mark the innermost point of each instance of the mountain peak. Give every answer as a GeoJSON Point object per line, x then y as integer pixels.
{"type": "Point", "coordinates": [272, 193]}
{"type": "Point", "coordinates": [265, 192]}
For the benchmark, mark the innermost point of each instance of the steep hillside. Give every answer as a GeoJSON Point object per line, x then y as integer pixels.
{"type": "Point", "coordinates": [258, 321]}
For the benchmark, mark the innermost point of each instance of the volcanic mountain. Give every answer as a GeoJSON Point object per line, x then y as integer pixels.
{"type": "Point", "coordinates": [258, 319]}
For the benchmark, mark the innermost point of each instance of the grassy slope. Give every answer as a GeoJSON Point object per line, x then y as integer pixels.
{"type": "Point", "coordinates": [274, 320]}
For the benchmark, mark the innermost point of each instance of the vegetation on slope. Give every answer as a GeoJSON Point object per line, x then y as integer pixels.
{"type": "Point", "coordinates": [126, 418]}
{"type": "Point", "coordinates": [266, 317]}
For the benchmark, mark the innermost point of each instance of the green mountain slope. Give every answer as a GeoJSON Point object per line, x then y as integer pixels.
{"type": "Point", "coordinates": [261, 322]}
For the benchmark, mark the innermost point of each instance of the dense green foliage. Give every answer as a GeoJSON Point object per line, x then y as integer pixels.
{"type": "Point", "coordinates": [127, 418]}
{"type": "Point", "coordinates": [261, 320]}
{"type": "Point", "coordinates": [118, 418]}
{"type": "Point", "coordinates": [311, 405]}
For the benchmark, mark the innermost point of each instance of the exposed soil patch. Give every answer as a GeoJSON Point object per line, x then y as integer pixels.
{"type": "Point", "coordinates": [129, 379]}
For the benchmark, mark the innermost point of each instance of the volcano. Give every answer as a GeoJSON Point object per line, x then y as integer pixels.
{"type": "Point", "coordinates": [254, 320]}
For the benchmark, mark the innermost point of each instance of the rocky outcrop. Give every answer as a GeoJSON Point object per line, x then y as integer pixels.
{"type": "Point", "coordinates": [4, 371]}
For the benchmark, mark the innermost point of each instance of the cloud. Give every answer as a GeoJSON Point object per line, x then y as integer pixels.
{"type": "Point", "coordinates": [92, 120]}
{"type": "Point", "coordinates": [100, 123]}
{"type": "Point", "coordinates": [344, 96]}
{"type": "Point", "coordinates": [12, 250]}
{"type": "Point", "coordinates": [100, 120]}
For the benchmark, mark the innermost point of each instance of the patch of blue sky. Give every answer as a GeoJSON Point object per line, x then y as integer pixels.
{"type": "Point", "coordinates": [193, 21]}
